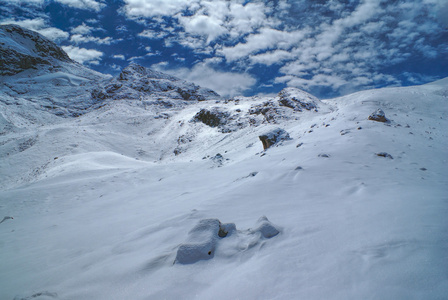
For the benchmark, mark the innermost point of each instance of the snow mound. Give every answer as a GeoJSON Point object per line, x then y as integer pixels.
{"type": "Point", "coordinates": [207, 239]}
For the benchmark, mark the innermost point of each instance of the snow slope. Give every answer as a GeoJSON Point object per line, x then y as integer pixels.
{"type": "Point", "coordinates": [102, 203]}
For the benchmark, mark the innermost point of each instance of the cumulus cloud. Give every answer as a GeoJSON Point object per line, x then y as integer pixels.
{"type": "Point", "coordinates": [82, 55]}
{"type": "Point", "coordinates": [266, 39]}
{"type": "Point", "coordinates": [82, 29]}
{"type": "Point", "coordinates": [84, 4]}
{"type": "Point", "coordinates": [83, 34]}
{"type": "Point", "coordinates": [79, 39]}
{"type": "Point", "coordinates": [137, 8]}
{"type": "Point", "coordinates": [119, 56]}
{"type": "Point", "coordinates": [333, 44]}
{"type": "Point", "coordinates": [272, 57]}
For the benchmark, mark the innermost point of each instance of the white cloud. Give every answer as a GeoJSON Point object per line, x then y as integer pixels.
{"type": "Point", "coordinates": [153, 34]}
{"type": "Point", "coordinates": [82, 55]}
{"type": "Point", "coordinates": [40, 25]}
{"type": "Point", "coordinates": [272, 57]}
{"type": "Point", "coordinates": [203, 25]}
{"type": "Point", "coordinates": [144, 8]}
{"type": "Point", "coordinates": [82, 29]}
{"type": "Point", "coordinates": [84, 4]}
{"type": "Point", "coordinates": [267, 38]}
{"type": "Point", "coordinates": [337, 44]}
{"type": "Point", "coordinates": [226, 84]}
{"type": "Point", "coordinates": [79, 39]}
{"type": "Point", "coordinates": [119, 56]}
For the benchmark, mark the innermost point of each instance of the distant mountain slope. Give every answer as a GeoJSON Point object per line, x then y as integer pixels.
{"type": "Point", "coordinates": [137, 82]}
{"type": "Point", "coordinates": [37, 75]}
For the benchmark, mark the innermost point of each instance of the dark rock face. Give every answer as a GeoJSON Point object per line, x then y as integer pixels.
{"type": "Point", "coordinates": [268, 110]}
{"type": "Point", "coordinates": [274, 137]}
{"type": "Point", "coordinates": [212, 118]}
{"type": "Point", "coordinates": [22, 49]}
{"type": "Point", "coordinates": [378, 116]}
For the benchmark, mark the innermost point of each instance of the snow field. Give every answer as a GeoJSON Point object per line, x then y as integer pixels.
{"type": "Point", "coordinates": [105, 221]}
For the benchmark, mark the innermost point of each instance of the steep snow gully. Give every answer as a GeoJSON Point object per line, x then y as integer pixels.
{"type": "Point", "coordinates": [145, 186]}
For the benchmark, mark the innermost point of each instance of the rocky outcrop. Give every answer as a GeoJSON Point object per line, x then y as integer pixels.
{"type": "Point", "coordinates": [274, 137]}
{"type": "Point", "coordinates": [137, 82]}
{"type": "Point", "coordinates": [297, 100]}
{"type": "Point", "coordinates": [22, 49]}
{"type": "Point", "coordinates": [378, 116]}
{"type": "Point", "coordinates": [213, 117]}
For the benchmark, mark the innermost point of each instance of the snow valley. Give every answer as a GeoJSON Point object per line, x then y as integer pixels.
{"type": "Point", "coordinates": [146, 186]}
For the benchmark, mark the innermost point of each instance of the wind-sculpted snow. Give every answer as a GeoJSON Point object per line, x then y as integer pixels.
{"type": "Point", "coordinates": [209, 238]}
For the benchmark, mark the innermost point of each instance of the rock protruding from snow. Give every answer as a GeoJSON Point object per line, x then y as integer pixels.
{"type": "Point", "coordinates": [266, 228]}
{"type": "Point", "coordinates": [137, 82]}
{"type": "Point", "coordinates": [210, 237]}
{"type": "Point", "coordinates": [384, 154]}
{"type": "Point", "coordinates": [22, 49]}
{"type": "Point", "coordinates": [378, 116]}
{"type": "Point", "coordinates": [202, 241]}
{"type": "Point", "coordinates": [213, 117]}
{"type": "Point", "coordinates": [274, 137]}
{"type": "Point", "coordinates": [297, 99]}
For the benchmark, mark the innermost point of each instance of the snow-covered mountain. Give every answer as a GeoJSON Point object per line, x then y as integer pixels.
{"type": "Point", "coordinates": [36, 72]}
{"type": "Point", "coordinates": [23, 49]}
{"type": "Point", "coordinates": [157, 196]}
{"type": "Point", "coordinates": [137, 82]}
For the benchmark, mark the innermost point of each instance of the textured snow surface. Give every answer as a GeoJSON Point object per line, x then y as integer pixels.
{"type": "Point", "coordinates": [102, 204]}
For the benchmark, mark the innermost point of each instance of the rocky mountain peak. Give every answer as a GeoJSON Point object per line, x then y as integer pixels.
{"type": "Point", "coordinates": [138, 82]}
{"type": "Point", "coordinates": [135, 71]}
{"type": "Point", "coordinates": [22, 49]}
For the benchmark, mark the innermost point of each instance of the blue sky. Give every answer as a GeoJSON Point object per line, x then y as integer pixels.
{"type": "Point", "coordinates": [238, 47]}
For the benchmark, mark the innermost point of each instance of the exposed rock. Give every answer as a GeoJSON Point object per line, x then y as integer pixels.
{"type": "Point", "coordinates": [137, 82]}
{"type": "Point", "coordinates": [297, 99]}
{"type": "Point", "coordinates": [378, 116]}
{"type": "Point", "coordinates": [324, 155]}
{"type": "Point", "coordinates": [268, 110]}
{"type": "Point", "coordinates": [274, 137]}
{"type": "Point", "coordinates": [384, 154]}
{"type": "Point", "coordinates": [213, 117]}
{"type": "Point", "coordinates": [202, 240]}
{"type": "Point", "coordinates": [23, 49]}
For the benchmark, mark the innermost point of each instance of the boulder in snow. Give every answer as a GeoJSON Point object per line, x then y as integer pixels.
{"type": "Point", "coordinates": [378, 116]}
{"type": "Point", "coordinates": [202, 241]}
{"type": "Point", "coordinates": [274, 137]}
{"type": "Point", "coordinates": [213, 117]}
